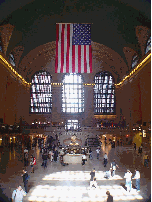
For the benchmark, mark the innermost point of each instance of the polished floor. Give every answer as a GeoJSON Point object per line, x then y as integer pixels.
{"type": "Point", "coordinates": [71, 183]}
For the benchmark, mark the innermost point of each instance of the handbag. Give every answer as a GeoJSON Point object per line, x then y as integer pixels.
{"type": "Point", "coordinates": [31, 163]}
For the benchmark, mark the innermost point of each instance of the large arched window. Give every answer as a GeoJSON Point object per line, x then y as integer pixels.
{"type": "Point", "coordinates": [73, 94]}
{"type": "Point", "coordinates": [134, 62]}
{"type": "Point", "coordinates": [41, 95]}
{"type": "Point", "coordinates": [104, 94]}
{"type": "Point", "coordinates": [148, 45]}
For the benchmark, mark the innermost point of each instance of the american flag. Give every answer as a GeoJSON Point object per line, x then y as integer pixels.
{"type": "Point", "coordinates": [73, 48]}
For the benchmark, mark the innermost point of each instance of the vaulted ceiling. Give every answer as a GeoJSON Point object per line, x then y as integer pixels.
{"type": "Point", "coordinates": [113, 21]}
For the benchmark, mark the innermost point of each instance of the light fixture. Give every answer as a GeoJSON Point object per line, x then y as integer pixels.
{"type": "Point", "coordinates": [134, 70]}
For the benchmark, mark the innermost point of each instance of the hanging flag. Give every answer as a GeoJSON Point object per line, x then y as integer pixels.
{"type": "Point", "coordinates": [73, 48]}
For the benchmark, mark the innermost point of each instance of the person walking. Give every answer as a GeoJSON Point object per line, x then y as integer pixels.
{"type": "Point", "coordinates": [31, 163]}
{"type": "Point", "coordinates": [137, 177]}
{"type": "Point", "coordinates": [113, 167]}
{"type": "Point", "coordinates": [146, 160]}
{"type": "Point", "coordinates": [90, 154]}
{"type": "Point", "coordinates": [107, 174]}
{"type": "Point", "coordinates": [92, 173]}
{"type": "Point", "coordinates": [84, 158]}
{"type": "Point", "coordinates": [51, 155]}
{"type": "Point", "coordinates": [135, 146]}
{"type": "Point", "coordinates": [98, 152]}
{"type": "Point", "coordinates": [34, 163]}
{"type": "Point", "coordinates": [110, 197]}
{"type": "Point", "coordinates": [45, 157]}
{"type": "Point", "coordinates": [93, 183]}
{"type": "Point", "coordinates": [25, 179]}
{"type": "Point", "coordinates": [61, 154]}
{"type": "Point", "coordinates": [18, 194]}
{"type": "Point", "coordinates": [128, 176]}
{"type": "Point", "coordinates": [25, 158]}
{"type": "Point", "coordinates": [141, 149]}
{"type": "Point", "coordinates": [105, 160]}
{"type": "Point", "coordinates": [55, 155]}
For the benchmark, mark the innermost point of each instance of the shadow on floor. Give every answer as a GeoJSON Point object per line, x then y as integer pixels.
{"type": "Point", "coordinates": [30, 185]}
{"type": "Point", "coordinates": [123, 185]}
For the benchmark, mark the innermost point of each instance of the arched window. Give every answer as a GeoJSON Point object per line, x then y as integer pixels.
{"type": "Point", "coordinates": [72, 125]}
{"type": "Point", "coordinates": [104, 94]}
{"type": "Point", "coordinates": [148, 45]}
{"type": "Point", "coordinates": [72, 93]}
{"type": "Point", "coordinates": [41, 95]}
{"type": "Point", "coordinates": [135, 60]}
{"type": "Point", "coordinates": [11, 59]}
{"type": "Point", "coordinates": [1, 45]}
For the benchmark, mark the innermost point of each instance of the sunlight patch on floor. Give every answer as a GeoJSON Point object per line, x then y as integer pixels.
{"type": "Point", "coordinates": [78, 193]}
{"type": "Point", "coordinates": [78, 176]}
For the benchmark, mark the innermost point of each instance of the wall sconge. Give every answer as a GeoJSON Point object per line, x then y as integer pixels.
{"type": "Point", "coordinates": [144, 133]}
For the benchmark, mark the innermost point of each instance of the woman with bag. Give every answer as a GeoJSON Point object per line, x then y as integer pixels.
{"type": "Point", "coordinates": [34, 163]}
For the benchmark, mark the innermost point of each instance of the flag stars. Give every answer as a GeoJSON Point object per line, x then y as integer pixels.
{"type": "Point", "coordinates": [81, 34]}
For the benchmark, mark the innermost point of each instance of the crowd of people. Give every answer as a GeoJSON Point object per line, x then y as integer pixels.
{"type": "Point", "coordinates": [93, 184]}
{"type": "Point", "coordinates": [51, 152]}
{"type": "Point", "coordinates": [128, 176]}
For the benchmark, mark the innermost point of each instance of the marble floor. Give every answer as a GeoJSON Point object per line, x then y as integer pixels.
{"type": "Point", "coordinates": [71, 183]}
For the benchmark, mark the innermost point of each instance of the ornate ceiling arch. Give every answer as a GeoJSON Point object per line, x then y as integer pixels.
{"type": "Point", "coordinates": [104, 58]}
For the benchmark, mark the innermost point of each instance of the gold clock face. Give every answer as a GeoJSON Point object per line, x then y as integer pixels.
{"type": "Point", "coordinates": [73, 138]}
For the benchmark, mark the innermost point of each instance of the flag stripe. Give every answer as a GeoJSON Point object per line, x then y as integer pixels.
{"type": "Point", "coordinates": [79, 58]}
{"type": "Point", "coordinates": [90, 58]}
{"type": "Point", "coordinates": [87, 56]}
{"type": "Point", "coordinates": [70, 56]}
{"type": "Point", "coordinates": [82, 59]}
{"type": "Point", "coordinates": [59, 49]}
{"type": "Point", "coordinates": [57, 41]}
{"type": "Point", "coordinates": [73, 59]}
{"type": "Point", "coordinates": [85, 61]}
{"type": "Point", "coordinates": [62, 47]}
{"type": "Point", "coordinates": [76, 59]}
{"type": "Point", "coordinates": [65, 48]}
{"type": "Point", "coordinates": [68, 48]}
